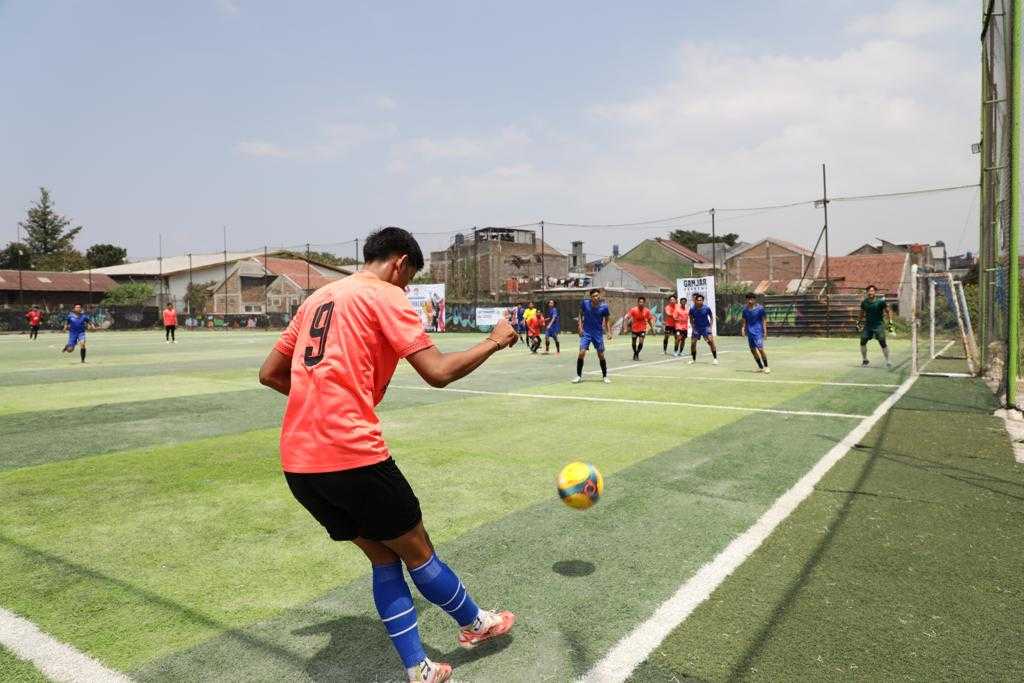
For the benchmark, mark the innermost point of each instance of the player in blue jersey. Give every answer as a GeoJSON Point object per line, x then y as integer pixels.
{"type": "Point", "coordinates": [702, 320]}
{"type": "Point", "coordinates": [554, 322]}
{"type": "Point", "coordinates": [593, 326]}
{"type": "Point", "coordinates": [75, 325]}
{"type": "Point", "coordinates": [520, 322]}
{"type": "Point", "coordinates": [755, 328]}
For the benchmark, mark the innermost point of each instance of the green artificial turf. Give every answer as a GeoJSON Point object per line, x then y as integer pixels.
{"type": "Point", "coordinates": [14, 670]}
{"type": "Point", "coordinates": [904, 564]}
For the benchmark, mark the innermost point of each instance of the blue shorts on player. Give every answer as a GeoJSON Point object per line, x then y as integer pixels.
{"type": "Point", "coordinates": [75, 338]}
{"type": "Point", "coordinates": [756, 341]}
{"type": "Point", "coordinates": [701, 333]}
{"type": "Point", "coordinates": [586, 340]}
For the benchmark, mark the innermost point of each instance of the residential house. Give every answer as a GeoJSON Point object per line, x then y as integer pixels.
{"type": "Point", "coordinates": [772, 265]}
{"type": "Point", "coordinates": [51, 290]}
{"type": "Point", "coordinates": [621, 274]}
{"type": "Point", "coordinates": [669, 259]}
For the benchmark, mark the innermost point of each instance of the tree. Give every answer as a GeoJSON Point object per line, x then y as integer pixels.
{"type": "Point", "coordinates": [691, 238]}
{"type": "Point", "coordinates": [128, 294]}
{"type": "Point", "coordinates": [325, 257]}
{"type": "Point", "coordinates": [46, 231]}
{"type": "Point", "coordinates": [197, 294]}
{"type": "Point", "coordinates": [103, 255]}
{"type": "Point", "coordinates": [15, 256]}
{"type": "Point", "coordinates": [66, 260]}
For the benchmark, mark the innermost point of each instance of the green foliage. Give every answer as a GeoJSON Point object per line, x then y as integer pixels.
{"type": "Point", "coordinates": [691, 238]}
{"type": "Point", "coordinates": [66, 260]}
{"type": "Point", "coordinates": [47, 232]}
{"type": "Point", "coordinates": [197, 294]}
{"type": "Point", "coordinates": [129, 294]}
{"type": "Point", "coordinates": [16, 255]}
{"type": "Point", "coordinates": [324, 257]}
{"type": "Point", "coordinates": [103, 255]}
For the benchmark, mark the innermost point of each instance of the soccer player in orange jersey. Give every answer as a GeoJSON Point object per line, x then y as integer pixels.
{"type": "Point", "coordinates": [334, 363]}
{"type": "Point", "coordinates": [640, 319]}
{"type": "Point", "coordinates": [670, 325]}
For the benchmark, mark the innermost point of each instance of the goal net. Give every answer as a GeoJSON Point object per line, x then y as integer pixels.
{"type": "Point", "coordinates": [942, 333]}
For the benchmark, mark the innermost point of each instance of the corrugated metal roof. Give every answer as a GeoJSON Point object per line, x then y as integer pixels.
{"type": "Point", "coordinates": [50, 281]}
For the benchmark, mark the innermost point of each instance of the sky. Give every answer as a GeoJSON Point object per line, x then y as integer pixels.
{"type": "Point", "coordinates": [320, 121]}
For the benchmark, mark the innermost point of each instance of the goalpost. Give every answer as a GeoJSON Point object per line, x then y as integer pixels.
{"type": "Point", "coordinates": [941, 306]}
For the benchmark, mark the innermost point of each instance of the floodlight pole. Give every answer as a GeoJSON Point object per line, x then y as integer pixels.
{"type": "Point", "coordinates": [224, 233]}
{"type": "Point", "coordinates": [714, 245]}
{"type": "Point", "coordinates": [543, 268]}
{"type": "Point", "coordinates": [191, 290]}
{"type": "Point", "coordinates": [931, 321]}
{"type": "Point", "coordinates": [828, 277]}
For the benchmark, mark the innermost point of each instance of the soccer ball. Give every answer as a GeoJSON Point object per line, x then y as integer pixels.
{"type": "Point", "coordinates": [580, 485]}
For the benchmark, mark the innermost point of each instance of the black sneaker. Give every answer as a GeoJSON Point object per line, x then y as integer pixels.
{"type": "Point", "coordinates": [864, 363]}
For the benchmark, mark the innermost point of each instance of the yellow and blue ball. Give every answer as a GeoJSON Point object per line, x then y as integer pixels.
{"type": "Point", "coordinates": [580, 485]}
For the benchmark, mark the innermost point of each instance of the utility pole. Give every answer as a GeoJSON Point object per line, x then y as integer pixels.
{"type": "Point", "coordinates": [357, 253]}
{"type": "Point", "coordinates": [714, 246]}
{"type": "Point", "coordinates": [543, 266]}
{"type": "Point", "coordinates": [307, 269]}
{"type": "Point", "coordinates": [191, 291]}
{"type": "Point", "coordinates": [828, 278]}
{"type": "Point", "coordinates": [160, 267]}
{"type": "Point", "coordinates": [266, 287]}
{"type": "Point", "coordinates": [224, 232]}
{"type": "Point", "coordinates": [21, 253]}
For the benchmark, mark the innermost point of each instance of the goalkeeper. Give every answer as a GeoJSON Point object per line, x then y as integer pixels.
{"type": "Point", "coordinates": [873, 310]}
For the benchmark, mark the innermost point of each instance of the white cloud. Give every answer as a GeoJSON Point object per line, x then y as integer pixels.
{"type": "Point", "coordinates": [910, 19]}
{"type": "Point", "coordinates": [261, 148]}
{"type": "Point", "coordinates": [386, 103]}
{"type": "Point", "coordinates": [506, 140]}
{"type": "Point", "coordinates": [228, 7]}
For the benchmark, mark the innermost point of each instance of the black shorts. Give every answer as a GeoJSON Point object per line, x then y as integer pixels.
{"type": "Point", "coordinates": [640, 335]}
{"type": "Point", "coordinates": [683, 333]}
{"type": "Point", "coordinates": [374, 502]}
{"type": "Point", "coordinates": [670, 330]}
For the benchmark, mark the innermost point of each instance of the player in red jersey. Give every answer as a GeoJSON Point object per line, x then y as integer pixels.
{"type": "Point", "coordinates": [170, 323]}
{"type": "Point", "coordinates": [640, 319]}
{"type": "Point", "coordinates": [334, 363]}
{"type": "Point", "coordinates": [35, 319]}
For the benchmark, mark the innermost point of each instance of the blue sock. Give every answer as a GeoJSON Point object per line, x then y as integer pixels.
{"type": "Point", "coordinates": [394, 605]}
{"type": "Point", "coordinates": [439, 584]}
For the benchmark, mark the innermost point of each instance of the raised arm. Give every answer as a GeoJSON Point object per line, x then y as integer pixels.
{"type": "Point", "coordinates": [440, 369]}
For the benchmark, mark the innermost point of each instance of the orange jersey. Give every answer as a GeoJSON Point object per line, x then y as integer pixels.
{"type": "Point", "coordinates": [34, 318]}
{"type": "Point", "coordinates": [682, 318]}
{"type": "Point", "coordinates": [670, 315]}
{"type": "Point", "coordinates": [345, 342]}
{"type": "Point", "coordinates": [639, 318]}
{"type": "Point", "coordinates": [534, 324]}
{"type": "Point", "coordinates": [170, 317]}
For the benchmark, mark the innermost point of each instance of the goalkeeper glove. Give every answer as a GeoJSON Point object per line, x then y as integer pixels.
{"type": "Point", "coordinates": [860, 326]}
{"type": "Point", "coordinates": [891, 327]}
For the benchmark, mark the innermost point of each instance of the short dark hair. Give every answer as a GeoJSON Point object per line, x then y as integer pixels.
{"type": "Point", "coordinates": [641, 298]}
{"type": "Point", "coordinates": [392, 241]}
{"type": "Point", "coordinates": [872, 287]}
{"type": "Point", "coordinates": [671, 296]}
{"type": "Point", "coordinates": [750, 295]}
{"type": "Point", "coordinates": [595, 290]}
{"type": "Point", "coordinates": [698, 295]}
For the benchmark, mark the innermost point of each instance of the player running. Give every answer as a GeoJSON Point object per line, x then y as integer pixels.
{"type": "Point", "coordinates": [640, 320]}
{"type": "Point", "coordinates": [334, 363]}
{"type": "Point", "coordinates": [755, 328]}
{"type": "Point", "coordinates": [75, 325]}
{"type": "Point", "coordinates": [701, 320]}
{"type": "Point", "coordinates": [682, 316]}
{"type": "Point", "coordinates": [593, 327]}
{"type": "Point", "coordinates": [520, 323]}
{"type": "Point", "coordinates": [872, 311]}
{"type": "Point", "coordinates": [170, 323]}
{"type": "Point", "coordinates": [534, 325]}
{"type": "Point", "coordinates": [670, 326]}
{"type": "Point", "coordinates": [554, 327]}
{"type": "Point", "coordinates": [34, 318]}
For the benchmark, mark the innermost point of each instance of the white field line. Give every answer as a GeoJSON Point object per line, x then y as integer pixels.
{"type": "Point", "coordinates": [633, 401]}
{"type": "Point", "coordinates": [644, 364]}
{"type": "Point", "coordinates": [677, 378]}
{"type": "Point", "coordinates": [632, 650]}
{"type": "Point", "coordinates": [57, 661]}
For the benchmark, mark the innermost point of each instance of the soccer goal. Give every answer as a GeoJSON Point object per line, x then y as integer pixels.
{"type": "Point", "coordinates": [941, 332]}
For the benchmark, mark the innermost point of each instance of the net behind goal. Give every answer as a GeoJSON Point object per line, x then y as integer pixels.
{"type": "Point", "coordinates": [942, 334]}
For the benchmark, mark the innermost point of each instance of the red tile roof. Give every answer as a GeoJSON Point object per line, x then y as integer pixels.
{"type": "Point", "coordinates": [295, 269]}
{"type": "Point", "coordinates": [885, 271]}
{"type": "Point", "coordinates": [681, 250]}
{"type": "Point", "coordinates": [49, 281]}
{"type": "Point", "coordinates": [646, 276]}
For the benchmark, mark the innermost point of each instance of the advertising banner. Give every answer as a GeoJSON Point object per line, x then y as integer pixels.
{"type": "Point", "coordinates": [428, 300]}
{"type": "Point", "coordinates": [688, 286]}
{"type": "Point", "coordinates": [487, 318]}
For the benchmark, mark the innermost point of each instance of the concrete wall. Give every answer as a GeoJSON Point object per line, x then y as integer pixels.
{"type": "Point", "coordinates": [767, 261]}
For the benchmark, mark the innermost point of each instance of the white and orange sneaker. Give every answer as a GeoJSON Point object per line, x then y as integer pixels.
{"type": "Point", "coordinates": [429, 672]}
{"type": "Point", "coordinates": [488, 625]}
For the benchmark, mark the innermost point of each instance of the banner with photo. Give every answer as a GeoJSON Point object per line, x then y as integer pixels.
{"type": "Point", "coordinates": [688, 286]}
{"type": "Point", "coordinates": [487, 318]}
{"type": "Point", "coordinates": [428, 300]}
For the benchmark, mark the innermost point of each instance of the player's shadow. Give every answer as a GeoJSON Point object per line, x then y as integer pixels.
{"type": "Point", "coordinates": [573, 568]}
{"type": "Point", "coordinates": [359, 649]}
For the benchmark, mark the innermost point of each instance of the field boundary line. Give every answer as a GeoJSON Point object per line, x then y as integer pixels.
{"type": "Point", "coordinates": [636, 401]}
{"type": "Point", "coordinates": [56, 660]}
{"type": "Point", "coordinates": [619, 662]}
{"type": "Point", "coordinates": [763, 381]}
